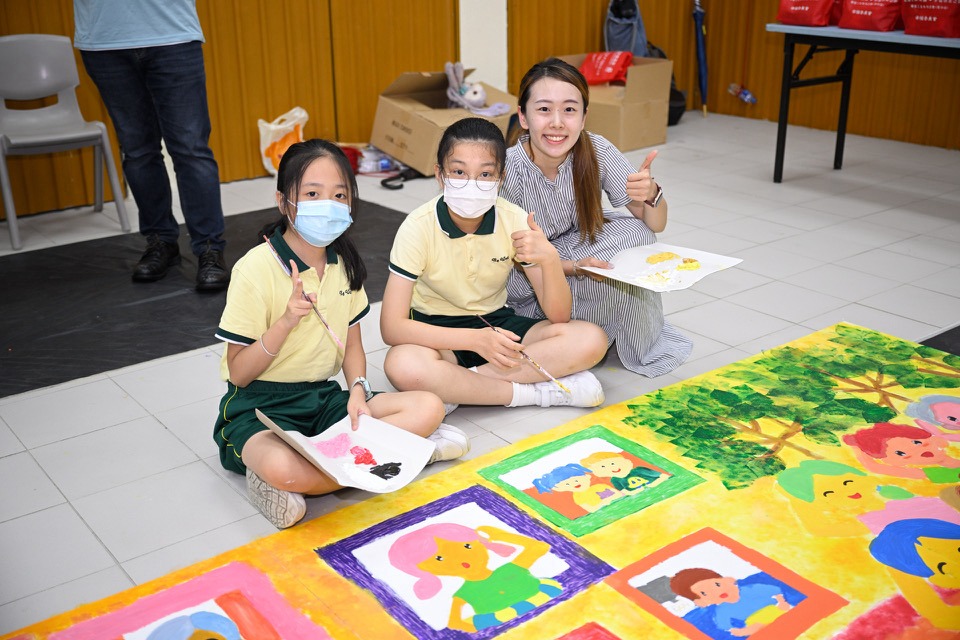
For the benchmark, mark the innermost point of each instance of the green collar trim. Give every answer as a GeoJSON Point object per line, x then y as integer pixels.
{"type": "Point", "coordinates": [286, 253]}
{"type": "Point", "coordinates": [450, 228]}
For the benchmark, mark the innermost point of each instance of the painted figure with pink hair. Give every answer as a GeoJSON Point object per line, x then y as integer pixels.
{"type": "Point", "coordinates": [493, 595]}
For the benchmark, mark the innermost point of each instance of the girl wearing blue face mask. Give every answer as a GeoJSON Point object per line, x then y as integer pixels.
{"type": "Point", "coordinates": [444, 307]}
{"type": "Point", "coordinates": [291, 323]}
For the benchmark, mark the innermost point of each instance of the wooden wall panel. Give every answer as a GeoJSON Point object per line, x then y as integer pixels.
{"type": "Point", "coordinates": [262, 59]}
{"type": "Point", "coordinates": [374, 42]}
{"type": "Point", "coordinates": [909, 98]}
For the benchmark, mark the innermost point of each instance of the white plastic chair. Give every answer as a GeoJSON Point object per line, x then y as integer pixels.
{"type": "Point", "coordinates": [34, 66]}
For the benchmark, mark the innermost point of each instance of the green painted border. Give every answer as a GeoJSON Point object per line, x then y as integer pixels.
{"type": "Point", "coordinates": [681, 481]}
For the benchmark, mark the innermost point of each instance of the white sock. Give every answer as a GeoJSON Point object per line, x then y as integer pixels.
{"type": "Point", "coordinates": [524, 395]}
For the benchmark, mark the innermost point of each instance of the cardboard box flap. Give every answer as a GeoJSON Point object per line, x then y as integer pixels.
{"type": "Point", "coordinates": [655, 85]}
{"type": "Point", "coordinates": [420, 82]}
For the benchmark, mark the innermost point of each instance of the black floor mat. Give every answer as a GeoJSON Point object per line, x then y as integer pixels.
{"type": "Point", "coordinates": [948, 341]}
{"type": "Point", "coordinates": [73, 311]}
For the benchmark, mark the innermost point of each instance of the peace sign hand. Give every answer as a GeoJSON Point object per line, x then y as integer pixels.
{"type": "Point", "coordinates": [640, 185]}
{"type": "Point", "coordinates": [299, 304]}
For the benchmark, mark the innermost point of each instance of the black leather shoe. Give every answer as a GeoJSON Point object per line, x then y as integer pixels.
{"type": "Point", "coordinates": [212, 273]}
{"type": "Point", "coordinates": [156, 260]}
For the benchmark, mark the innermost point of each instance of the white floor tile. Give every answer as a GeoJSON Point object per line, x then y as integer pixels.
{"type": "Point", "coordinates": [768, 262]}
{"type": "Point", "coordinates": [174, 383]}
{"type": "Point", "coordinates": [822, 244]}
{"type": "Point", "coordinates": [45, 549]}
{"type": "Point", "coordinates": [919, 304]}
{"type": "Point", "coordinates": [946, 252]}
{"type": "Point", "coordinates": [112, 457]}
{"type": "Point", "coordinates": [24, 487]}
{"type": "Point", "coordinates": [727, 323]}
{"type": "Point", "coordinates": [893, 266]}
{"type": "Point", "coordinates": [192, 550]}
{"type": "Point", "coordinates": [712, 241]}
{"type": "Point", "coordinates": [875, 319]}
{"type": "Point", "coordinates": [193, 425]}
{"type": "Point", "coordinates": [839, 282]}
{"type": "Point", "coordinates": [946, 282]}
{"type": "Point", "coordinates": [786, 301]}
{"type": "Point", "coordinates": [756, 230]}
{"type": "Point", "coordinates": [9, 443]}
{"type": "Point", "coordinates": [72, 411]}
{"type": "Point", "coordinates": [729, 281]}
{"type": "Point", "coordinates": [674, 301]}
{"type": "Point", "coordinates": [142, 516]}
{"type": "Point", "coordinates": [775, 339]}
{"type": "Point", "coordinates": [64, 597]}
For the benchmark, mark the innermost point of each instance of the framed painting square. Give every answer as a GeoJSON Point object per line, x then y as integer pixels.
{"type": "Point", "coordinates": [745, 590]}
{"type": "Point", "coordinates": [232, 599]}
{"type": "Point", "coordinates": [509, 556]}
{"type": "Point", "coordinates": [576, 503]}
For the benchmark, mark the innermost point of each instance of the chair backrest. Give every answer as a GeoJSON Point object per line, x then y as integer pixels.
{"type": "Point", "coordinates": [37, 66]}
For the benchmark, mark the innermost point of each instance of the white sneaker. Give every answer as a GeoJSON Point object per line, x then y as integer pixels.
{"type": "Point", "coordinates": [585, 391]}
{"type": "Point", "coordinates": [450, 443]}
{"type": "Point", "coordinates": [282, 508]}
{"type": "Point", "coordinates": [449, 407]}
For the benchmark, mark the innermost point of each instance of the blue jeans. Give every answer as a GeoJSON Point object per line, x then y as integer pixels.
{"type": "Point", "coordinates": [161, 92]}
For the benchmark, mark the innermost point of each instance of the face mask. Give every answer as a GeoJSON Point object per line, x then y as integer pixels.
{"type": "Point", "coordinates": [320, 222]}
{"type": "Point", "coordinates": [466, 198]}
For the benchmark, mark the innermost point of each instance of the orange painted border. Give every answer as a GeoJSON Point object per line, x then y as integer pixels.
{"type": "Point", "coordinates": [819, 602]}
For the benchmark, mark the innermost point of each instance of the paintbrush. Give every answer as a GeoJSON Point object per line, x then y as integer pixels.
{"type": "Point", "coordinates": [286, 270]}
{"type": "Point", "coordinates": [531, 360]}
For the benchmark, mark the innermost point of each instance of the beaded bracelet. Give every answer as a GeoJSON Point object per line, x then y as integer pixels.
{"type": "Point", "coordinates": [576, 270]}
{"type": "Point", "coordinates": [264, 347]}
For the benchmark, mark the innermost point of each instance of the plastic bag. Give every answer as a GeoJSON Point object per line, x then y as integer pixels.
{"type": "Point", "coordinates": [932, 18]}
{"type": "Point", "coordinates": [277, 136]}
{"type": "Point", "coordinates": [811, 13]}
{"type": "Point", "coordinates": [606, 66]}
{"type": "Point", "coordinates": [871, 15]}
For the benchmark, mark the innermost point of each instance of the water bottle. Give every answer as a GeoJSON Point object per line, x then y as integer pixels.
{"type": "Point", "coordinates": [741, 92]}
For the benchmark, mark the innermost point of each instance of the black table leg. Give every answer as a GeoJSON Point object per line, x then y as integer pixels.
{"type": "Point", "coordinates": [845, 73]}
{"type": "Point", "coordinates": [785, 83]}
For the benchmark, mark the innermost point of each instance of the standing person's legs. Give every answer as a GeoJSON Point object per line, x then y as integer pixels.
{"type": "Point", "coordinates": [119, 76]}
{"type": "Point", "coordinates": [176, 78]}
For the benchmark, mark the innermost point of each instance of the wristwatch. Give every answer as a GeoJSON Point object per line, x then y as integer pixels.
{"type": "Point", "coordinates": [367, 391]}
{"type": "Point", "coordinates": [656, 199]}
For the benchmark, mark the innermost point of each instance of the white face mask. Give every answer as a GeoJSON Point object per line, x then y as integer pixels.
{"type": "Point", "coordinates": [465, 197]}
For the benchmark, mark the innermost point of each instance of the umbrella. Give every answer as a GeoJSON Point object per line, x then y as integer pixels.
{"type": "Point", "coordinates": [698, 15]}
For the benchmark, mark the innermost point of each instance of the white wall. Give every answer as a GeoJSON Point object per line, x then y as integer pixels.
{"type": "Point", "coordinates": [483, 41]}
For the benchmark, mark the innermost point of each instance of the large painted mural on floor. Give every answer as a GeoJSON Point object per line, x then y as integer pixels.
{"type": "Point", "coordinates": [810, 491]}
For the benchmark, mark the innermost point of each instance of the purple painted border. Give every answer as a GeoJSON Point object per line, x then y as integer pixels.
{"type": "Point", "coordinates": [584, 568]}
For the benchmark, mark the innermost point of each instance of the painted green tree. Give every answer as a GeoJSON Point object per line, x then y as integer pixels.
{"type": "Point", "coordinates": [754, 410]}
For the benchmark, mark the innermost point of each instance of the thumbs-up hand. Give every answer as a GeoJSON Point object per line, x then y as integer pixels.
{"type": "Point", "coordinates": [640, 185]}
{"type": "Point", "coordinates": [532, 247]}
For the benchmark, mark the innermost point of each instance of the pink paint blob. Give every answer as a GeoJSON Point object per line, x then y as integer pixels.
{"type": "Point", "coordinates": [334, 447]}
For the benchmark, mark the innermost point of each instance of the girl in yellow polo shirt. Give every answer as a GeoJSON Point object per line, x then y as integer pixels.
{"type": "Point", "coordinates": [444, 305]}
{"type": "Point", "coordinates": [291, 322]}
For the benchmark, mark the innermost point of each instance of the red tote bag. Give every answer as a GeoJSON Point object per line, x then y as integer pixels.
{"type": "Point", "coordinates": [606, 66]}
{"type": "Point", "coordinates": [939, 18]}
{"type": "Point", "coordinates": [808, 13]}
{"type": "Point", "coordinates": [871, 15]}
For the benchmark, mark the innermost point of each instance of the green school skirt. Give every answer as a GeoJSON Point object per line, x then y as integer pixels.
{"type": "Point", "coordinates": [308, 407]}
{"type": "Point", "coordinates": [504, 318]}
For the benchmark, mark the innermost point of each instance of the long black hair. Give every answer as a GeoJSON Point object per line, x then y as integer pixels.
{"type": "Point", "coordinates": [293, 165]}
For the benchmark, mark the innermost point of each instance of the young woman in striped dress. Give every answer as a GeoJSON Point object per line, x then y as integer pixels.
{"type": "Point", "coordinates": [559, 171]}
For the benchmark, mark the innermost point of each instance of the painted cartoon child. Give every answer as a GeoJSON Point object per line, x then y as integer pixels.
{"type": "Point", "coordinates": [495, 595]}
{"type": "Point", "coordinates": [935, 411]}
{"type": "Point", "coordinates": [829, 498]}
{"type": "Point", "coordinates": [904, 451]}
{"type": "Point", "coordinates": [577, 481]}
{"type": "Point", "coordinates": [739, 610]}
{"type": "Point", "coordinates": [923, 558]}
{"type": "Point", "coordinates": [623, 474]}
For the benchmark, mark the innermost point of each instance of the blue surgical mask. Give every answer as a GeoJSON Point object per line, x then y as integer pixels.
{"type": "Point", "coordinates": [320, 222]}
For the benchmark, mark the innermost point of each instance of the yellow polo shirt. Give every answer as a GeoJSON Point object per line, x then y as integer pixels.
{"type": "Point", "coordinates": [257, 298]}
{"type": "Point", "coordinates": [457, 273]}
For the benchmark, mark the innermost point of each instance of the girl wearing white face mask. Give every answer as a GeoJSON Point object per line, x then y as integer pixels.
{"type": "Point", "coordinates": [444, 306]}
{"type": "Point", "coordinates": [291, 323]}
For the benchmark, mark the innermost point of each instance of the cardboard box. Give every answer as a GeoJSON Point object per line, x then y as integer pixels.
{"type": "Point", "coordinates": [634, 115]}
{"type": "Point", "coordinates": [412, 114]}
